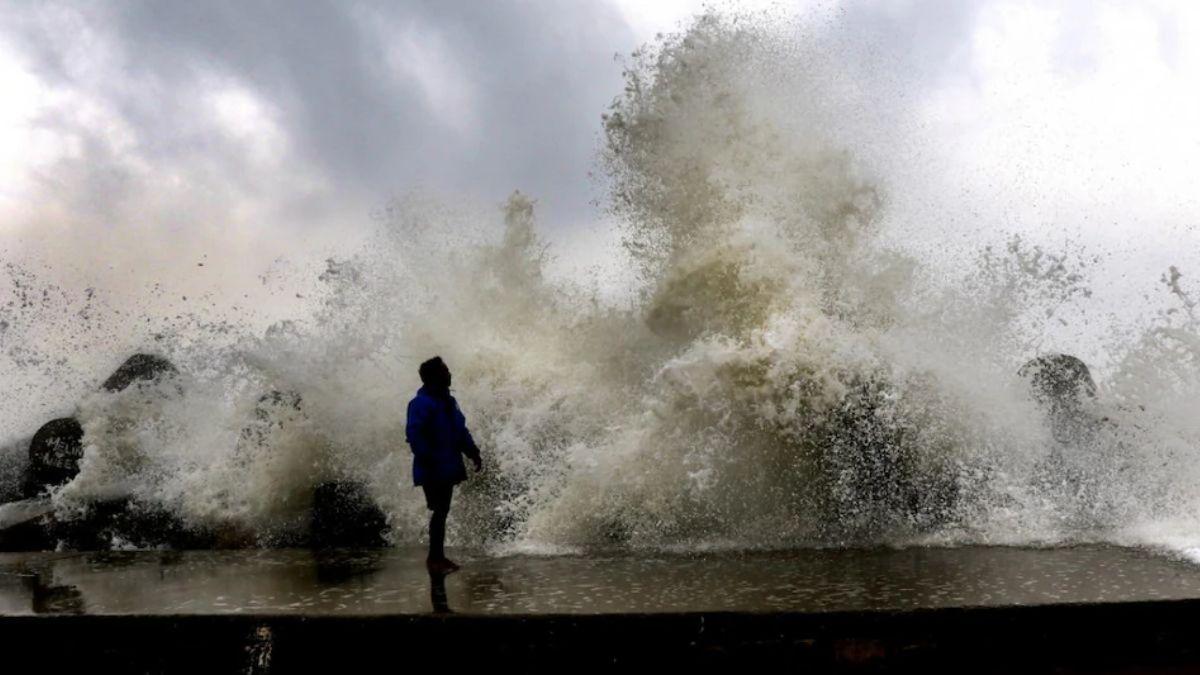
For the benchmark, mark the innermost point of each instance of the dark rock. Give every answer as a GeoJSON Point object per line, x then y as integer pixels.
{"type": "Point", "coordinates": [25, 525]}
{"type": "Point", "coordinates": [1063, 386]}
{"type": "Point", "coordinates": [1059, 380]}
{"type": "Point", "coordinates": [57, 447]}
{"type": "Point", "coordinates": [345, 515]}
{"type": "Point", "coordinates": [31, 525]}
{"type": "Point", "coordinates": [139, 368]}
{"type": "Point", "coordinates": [883, 476]}
{"type": "Point", "coordinates": [54, 454]}
{"type": "Point", "coordinates": [128, 523]}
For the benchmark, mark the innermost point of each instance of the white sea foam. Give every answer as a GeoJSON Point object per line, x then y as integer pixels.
{"type": "Point", "coordinates": [782, 376]}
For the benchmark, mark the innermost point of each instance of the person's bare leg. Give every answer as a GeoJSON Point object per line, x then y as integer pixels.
{"type": "Point", "coordinates": [437, 560]}
{"type": "Point", "coordinates": [437, 535]}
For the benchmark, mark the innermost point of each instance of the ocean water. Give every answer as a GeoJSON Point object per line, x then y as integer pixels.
{"type": "Point", "coordinates": [778, 372]}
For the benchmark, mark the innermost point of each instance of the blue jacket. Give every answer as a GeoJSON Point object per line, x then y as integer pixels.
{"type": "Point", "coordinates": [437, 433]}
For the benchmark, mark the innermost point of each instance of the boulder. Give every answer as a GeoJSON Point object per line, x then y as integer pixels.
{"type": "Point", "coordinates": [32, 525]}
{"type": "Point", "coordinates": [1063, 386]}
{"type": "Point", "coordinates": [125, 522]}
{"type": "Point", "coordinates": [882, 477]}
{"type": "Point", "coordinates": [1059, 380]}
{"type": "Point", "coordinates": [54, 454]}
{"type": "Point", "coordinates": [57, 447]}
{"type": "Point", "coordinates": [139, 368]}
{"type": "Point", "coordinates": [24, 525]}
{"type": "Point", "coordinates": [343, 512]}
{"type": "Point", "coordinates": [345, 515]}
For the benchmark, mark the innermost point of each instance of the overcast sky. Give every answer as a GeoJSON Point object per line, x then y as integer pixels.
{"type": "Point", "coordinates": [136, 134]}
{"type": "Point", "coordinates": [223, 120]}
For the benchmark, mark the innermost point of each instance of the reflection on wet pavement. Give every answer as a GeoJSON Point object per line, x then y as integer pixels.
{"type": "Point", "coordinates": [396, 582]}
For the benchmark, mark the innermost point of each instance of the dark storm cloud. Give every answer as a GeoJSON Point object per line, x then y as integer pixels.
{"type": "Point", "coordinates": [353, 82]}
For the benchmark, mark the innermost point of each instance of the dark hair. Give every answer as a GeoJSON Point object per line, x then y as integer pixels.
{"type": "Point", "coordinates": [433, 371]}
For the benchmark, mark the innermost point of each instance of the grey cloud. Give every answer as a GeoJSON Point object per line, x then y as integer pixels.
{"type": "Point", "coordinates": [541, 73]}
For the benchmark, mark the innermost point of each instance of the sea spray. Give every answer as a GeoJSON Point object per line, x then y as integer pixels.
{"type": "Point", "coordinates": [781, 376]}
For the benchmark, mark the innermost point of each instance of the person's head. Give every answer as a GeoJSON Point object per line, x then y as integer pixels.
{"type": "Point", "coordinates": [435, 374]}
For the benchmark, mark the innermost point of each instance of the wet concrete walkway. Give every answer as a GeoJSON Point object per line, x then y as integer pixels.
{"type": "Point", "coordinates": [394, 581]}
{"type": "Point", "coordinates": [973, 609]}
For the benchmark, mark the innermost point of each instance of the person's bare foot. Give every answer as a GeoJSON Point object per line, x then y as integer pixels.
{"type": "Point", "coordinates": [442, 566]}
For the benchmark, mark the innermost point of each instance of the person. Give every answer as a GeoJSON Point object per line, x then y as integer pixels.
{"type": "Point", "coordinates": [437, 433]}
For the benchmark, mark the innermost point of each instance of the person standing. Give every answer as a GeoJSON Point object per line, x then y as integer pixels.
{"type": "Point", "coordinates": [436, 431]}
